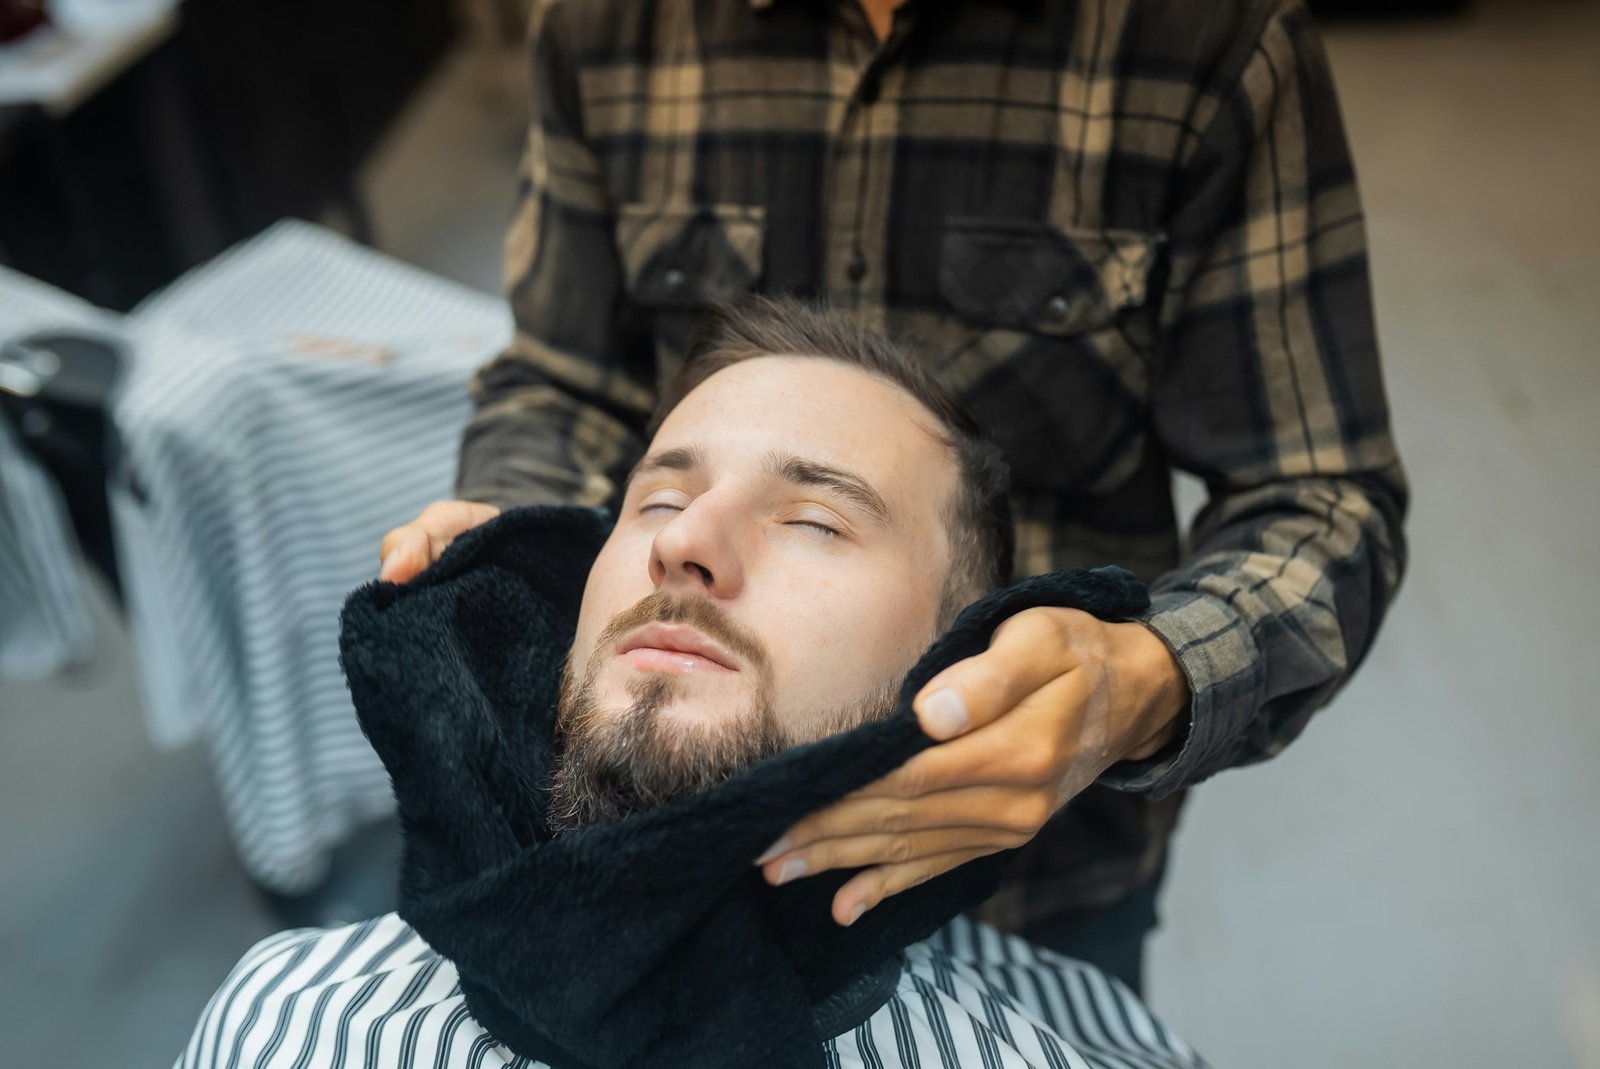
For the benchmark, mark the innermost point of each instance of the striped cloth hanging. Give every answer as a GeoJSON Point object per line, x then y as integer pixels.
{"type": "Point", "coordinates": [287, 404]}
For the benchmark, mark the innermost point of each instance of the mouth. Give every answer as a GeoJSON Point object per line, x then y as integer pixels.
{"type": "Point", "coordinates": [675, 648]}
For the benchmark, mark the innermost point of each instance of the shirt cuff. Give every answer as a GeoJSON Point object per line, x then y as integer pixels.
{"type": "Point", "coordinates": [1218, 655]}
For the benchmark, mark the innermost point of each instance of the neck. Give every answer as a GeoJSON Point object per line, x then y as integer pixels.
{"type": "Point", "coordinates": [881, 14]}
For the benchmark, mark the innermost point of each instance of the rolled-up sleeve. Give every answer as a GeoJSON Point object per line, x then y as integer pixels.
{"type": "Point", "coordinates": [1268, 387]}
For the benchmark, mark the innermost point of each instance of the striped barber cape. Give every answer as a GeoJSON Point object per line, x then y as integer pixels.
{"type": "Point", "coordinates": [287, 403]}
{"type": "Point", "coordinates": [375, 994]}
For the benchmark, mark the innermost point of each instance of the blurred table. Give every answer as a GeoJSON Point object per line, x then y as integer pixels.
{"type": "Point", "coordinates": [70, 226]}
{"type": "Point", "coordinates": [55, 69]}
{"type": "Point", "coordinates": [133, 152]}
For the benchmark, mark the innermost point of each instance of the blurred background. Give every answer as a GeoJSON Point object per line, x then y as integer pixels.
{"type": "Point", "coordinates": [1416, 882]}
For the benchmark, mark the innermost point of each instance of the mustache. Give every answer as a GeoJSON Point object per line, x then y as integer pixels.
{"type": "Point", "coordinates": [701, 613]}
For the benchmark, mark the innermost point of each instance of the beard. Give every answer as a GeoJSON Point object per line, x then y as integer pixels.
{"type": "Point", "coordinates": [612, 764]}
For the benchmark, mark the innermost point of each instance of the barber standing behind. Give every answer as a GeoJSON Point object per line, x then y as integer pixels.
{"type": "Point", "coordinates": [1127, 233]}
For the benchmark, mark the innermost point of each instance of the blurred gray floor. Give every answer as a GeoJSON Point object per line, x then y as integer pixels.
{"type": "Point", "coordinates": [1415, 883]}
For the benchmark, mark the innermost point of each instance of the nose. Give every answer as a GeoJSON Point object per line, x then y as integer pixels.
{"type": "Point", "coordinates": [698, 550]}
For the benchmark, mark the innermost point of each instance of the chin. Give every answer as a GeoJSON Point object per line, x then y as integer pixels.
{"type": "Point", "coordinates": [683, 709]}
{"type": "Point", "coordinates": [675, 698]}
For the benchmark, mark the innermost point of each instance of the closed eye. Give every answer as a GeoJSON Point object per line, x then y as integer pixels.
{"type": "Point", "coordinates": [820, 528]}
{"type": "Point", "coordinates": [813, 525]}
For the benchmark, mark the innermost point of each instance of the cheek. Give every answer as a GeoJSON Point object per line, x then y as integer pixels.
{"type": "Point", "coordinates": [619, 579]}
{"type": "Point", "coordinates": [894, 623]}
{"type": "Point", "coordinates": [838, 638]}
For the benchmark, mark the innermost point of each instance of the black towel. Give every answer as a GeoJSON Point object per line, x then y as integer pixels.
{"type": "Point", "coordinates": [652, 941]}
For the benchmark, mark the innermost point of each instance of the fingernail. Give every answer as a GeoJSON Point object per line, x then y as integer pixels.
{"type": "Point", "coordinates": [855, 915]}
{"type": "Point", "coordinates": [944, 714]}
{"type": "Point", "coordinates": [792, 869]}
{"type": "Point", "coordinates": [383, 569]}
{"type": "Point", "coordinates": [782, 846]}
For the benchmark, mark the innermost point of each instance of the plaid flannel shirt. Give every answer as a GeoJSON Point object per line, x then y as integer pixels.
{"type": "Point", "coordinates": [1126, 232]}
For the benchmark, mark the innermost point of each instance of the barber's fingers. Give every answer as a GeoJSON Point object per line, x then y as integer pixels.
{"type": "Point", "coordinates": [866, 889]}
{"type": "Point", "coordinates": [1033, 744]}
{"type": "Point", "coordinates": [1026, 652]}
{"type": "Point", "coordinates": [889, 849]}
{"type": "Point", "coordinates": [858, 816]}
{"type": "Point", "coordinates": [407, 550]}
{"type": "Point", "coordinates": [405, 553]}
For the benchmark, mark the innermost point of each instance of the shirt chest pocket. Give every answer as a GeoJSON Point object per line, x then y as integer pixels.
{"type": "Point", "coordinates": [1049, 345]}
{"type": "Point", "coordinates": [680, 260]}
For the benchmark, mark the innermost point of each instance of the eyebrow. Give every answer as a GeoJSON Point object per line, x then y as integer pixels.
{"type": "Point", "coordinates": [786, 466]}
{"type": "Point", "coordinates": [851, 487]}
{"type": "Point", "coordinates": [684, 458]}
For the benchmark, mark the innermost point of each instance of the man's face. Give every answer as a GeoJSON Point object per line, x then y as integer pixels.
{"type": "Point", "coordinates": [776, 568]}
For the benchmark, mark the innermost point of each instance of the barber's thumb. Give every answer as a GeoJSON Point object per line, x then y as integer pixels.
{"type": "Point", "coordinates": [943, 713]}
{"type": "Point", "coordinates": [949, 704]}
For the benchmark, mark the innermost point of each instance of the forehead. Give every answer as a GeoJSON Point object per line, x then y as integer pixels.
{"type": "Point", "coordinates": [816, 408]}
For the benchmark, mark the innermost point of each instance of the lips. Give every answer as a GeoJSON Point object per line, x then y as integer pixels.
{"type": "Point", "coordinates": [680, 643]}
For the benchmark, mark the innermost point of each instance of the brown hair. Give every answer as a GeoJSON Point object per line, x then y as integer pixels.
{"type": "Point", "coordinates": [982, 541]}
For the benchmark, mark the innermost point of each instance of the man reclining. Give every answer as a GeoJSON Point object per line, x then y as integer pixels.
{"type": "Point", "coordinates": [812, 512]}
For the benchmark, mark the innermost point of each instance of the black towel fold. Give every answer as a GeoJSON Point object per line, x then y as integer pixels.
{"type": "Point", "coordinates": [652, 941]}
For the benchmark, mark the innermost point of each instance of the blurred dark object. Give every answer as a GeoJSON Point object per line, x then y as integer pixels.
{"type": "Point", "coordinates": [293, 96]}
{"type": "Point", "coordinates": [1386, 8]}
{"type": "Point", "coordinates": [55, 391]}
{"type": "Point", "coordinates": [18, 18]}
{"type": "Point", "coordinates": [248, 113]}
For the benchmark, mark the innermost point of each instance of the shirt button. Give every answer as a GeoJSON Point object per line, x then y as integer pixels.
{"type": "Point", "coordinates": [1058, 308]}
{"type": "Point", "coordinates": [857, 267]}
{"type": "Point", "coordinates": [674, 280]}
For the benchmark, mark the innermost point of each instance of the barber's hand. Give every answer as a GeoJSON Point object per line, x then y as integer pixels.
{"type": "Point", "coordinates": [1059, 697]}
{"type": "Point", "coordinates": [409, 549]}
